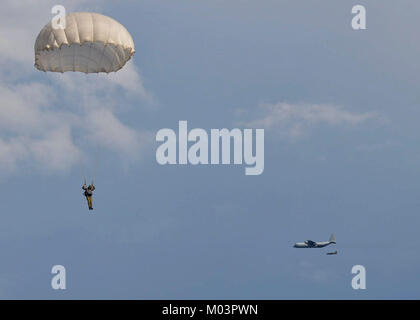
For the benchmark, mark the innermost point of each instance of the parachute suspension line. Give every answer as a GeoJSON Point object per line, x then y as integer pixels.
{"type": "Point", "coordinates": [83, 169]}
{"type": "Point", "coordinates": [96, 166]}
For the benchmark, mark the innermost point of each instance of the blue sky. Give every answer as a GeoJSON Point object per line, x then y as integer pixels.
{"type": "Point", "coordinates": [340, 113]}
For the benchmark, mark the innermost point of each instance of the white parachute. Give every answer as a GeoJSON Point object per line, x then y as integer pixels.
{"type": "Point", "coordinates": [89, 43]}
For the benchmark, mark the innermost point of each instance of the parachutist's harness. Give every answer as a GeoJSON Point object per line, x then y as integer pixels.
{"type": "Point", "coordinates": [88, 192]}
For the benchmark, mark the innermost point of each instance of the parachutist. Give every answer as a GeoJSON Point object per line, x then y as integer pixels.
{"type": "Point", "coordinates": [88, 194]}
{"type": "Point", "coordinates": [86, 42]}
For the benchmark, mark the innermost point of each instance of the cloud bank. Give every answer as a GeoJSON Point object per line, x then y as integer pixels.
{"type": "Point", "coordinates": [295, 120]}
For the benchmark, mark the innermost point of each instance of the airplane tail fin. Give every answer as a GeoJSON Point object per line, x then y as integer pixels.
{"type": "Point", "coordinates": [332, 238]}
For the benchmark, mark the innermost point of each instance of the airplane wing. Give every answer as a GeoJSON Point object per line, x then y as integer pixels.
{"type": "Point", "coordinates": [310, 243]}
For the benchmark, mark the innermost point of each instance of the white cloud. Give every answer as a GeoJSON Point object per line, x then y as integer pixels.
{"type": "Point", "coordinates": [106, 130]}
{"type": "Point", "coordinates": [296, 119]}
{"type": "Point", "coordinates": [129, 79]}
{"type": "Point", "coordinates": [31, 131]}
{"type": "Point", "coordinates": [23, 107]}
{"type": "Point", "coordinates": [43, 114]}
{"type": "Point", "coordinates": [56, 151]}
{"type": "Point", "coordinates": [11, 152]}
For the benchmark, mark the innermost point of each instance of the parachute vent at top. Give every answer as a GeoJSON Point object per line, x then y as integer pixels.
{"type": "Point", "coordinates": [90, 43]}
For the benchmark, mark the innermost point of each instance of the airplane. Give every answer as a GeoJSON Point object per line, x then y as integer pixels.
{"type": "Point", "coordinates": [313, 244]}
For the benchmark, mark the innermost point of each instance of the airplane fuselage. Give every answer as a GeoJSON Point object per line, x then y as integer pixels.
{"type": "Point", "coordinates": [312, 245]}
{"type": "Point", "coordinates": [315, 244]}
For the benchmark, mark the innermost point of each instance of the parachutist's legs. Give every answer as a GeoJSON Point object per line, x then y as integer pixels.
{"type": "Point", "coordinates": [89, 200]}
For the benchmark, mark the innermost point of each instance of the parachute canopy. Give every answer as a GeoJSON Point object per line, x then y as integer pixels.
{"type": "Point", "coordinates": [90, 43]}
